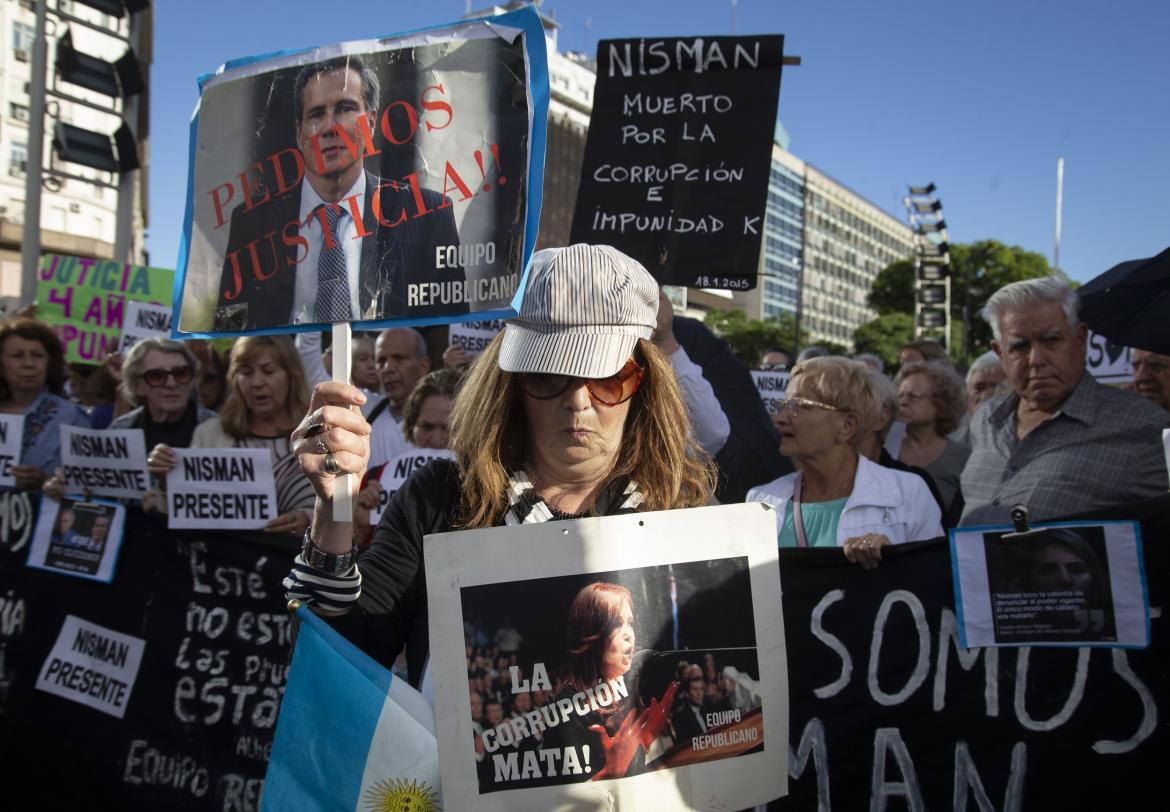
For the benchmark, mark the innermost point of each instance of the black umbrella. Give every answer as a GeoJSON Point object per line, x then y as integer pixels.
{"type": "Point", "coordinates": [1130, 303]}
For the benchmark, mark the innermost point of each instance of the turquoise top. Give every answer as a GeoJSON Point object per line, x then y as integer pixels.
{"type": "Point", "coordinates": [820, 523]}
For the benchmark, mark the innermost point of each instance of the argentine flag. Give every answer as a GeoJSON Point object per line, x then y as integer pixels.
{"type": "Point", "coordinates": [351, 736]}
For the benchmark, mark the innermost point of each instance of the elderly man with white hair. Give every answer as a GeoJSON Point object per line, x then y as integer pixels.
{"type": "Point", "coordinates": [1060, 443]}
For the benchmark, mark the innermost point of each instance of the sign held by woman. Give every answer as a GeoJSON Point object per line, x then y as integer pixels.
{"type": "Point", "coordinates": [652, 659]}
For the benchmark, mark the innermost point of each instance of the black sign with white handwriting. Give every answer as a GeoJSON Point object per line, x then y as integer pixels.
{"type": "Point", "coordinates": [678, 155]}
{"type": "Point", "coordinates": [194, 729]}
{"type": "Point", "coordinates": [888, 711]}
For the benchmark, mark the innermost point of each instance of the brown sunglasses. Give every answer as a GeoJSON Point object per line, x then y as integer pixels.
{"type": "Point", "coordinates": [611, 391]}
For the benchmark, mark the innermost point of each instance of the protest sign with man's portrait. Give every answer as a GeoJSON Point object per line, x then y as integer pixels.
{"type": "Point", "coordinates": [1070, 583]}
{"type": "Point", "coordinates": [389, 180]}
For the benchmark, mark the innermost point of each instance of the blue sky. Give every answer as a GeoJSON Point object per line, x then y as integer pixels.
{"type": "Point", "coordinates": [979, 97]}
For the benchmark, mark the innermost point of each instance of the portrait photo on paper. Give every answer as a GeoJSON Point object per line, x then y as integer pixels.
{"type": "Point", "coordinates": [365, 181]}
{"type": "Point", "coordinates": [1064, 584]}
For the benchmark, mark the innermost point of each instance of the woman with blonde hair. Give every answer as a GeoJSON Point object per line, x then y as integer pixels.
{"type": "Point", "coordinates": [569, 412]}
{"type": "Point", "coordinates": [839, 497]}
{"type": "Point", "coordinates": [267, 394]}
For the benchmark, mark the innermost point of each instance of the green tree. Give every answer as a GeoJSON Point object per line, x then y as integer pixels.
{"type": "Point", "coordinates": [751, 338]}
{"type": "Point", "coordinates": [979, 268]}
{"type": "Point", "coordinates": [884, 335]}
{"type": "Point", "coordinates": [893, 289]}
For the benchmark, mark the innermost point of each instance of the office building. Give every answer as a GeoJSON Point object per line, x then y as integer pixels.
{"type": "Point", "coordinates": [76, 217]}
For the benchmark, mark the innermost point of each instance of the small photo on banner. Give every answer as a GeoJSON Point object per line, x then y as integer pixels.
{"type": "Point", "coordinates": [1060, 584]}
{"type": "Point", "coordinates": [78, 537]}
{"type": "Point", "coordinates": [420, 207]}
{"type": "Point", "coordinates": [644, 658]}
{"type": "Point", "coordinates": [86, 301]}
{"type": "Point", "coordinates": [105, 462]}
{"type": "Point", "coordinates": [398, 470]}
{"type": "Point", "coordinates": [11, 439]}
{"type": "Point", "coordinates": [678, 156]}
{"type": "Point", "coordinates": [221, 488]}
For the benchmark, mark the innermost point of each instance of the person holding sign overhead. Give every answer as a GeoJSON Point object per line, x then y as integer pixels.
{"type": "Point", "coordinates": [32, 382]}
{"type": "Point", "coordinates": [839, 498]}
{"type": "Point", "coordinates": [268, 390]}
{"type": "Point", "coordinates": [571, 411]}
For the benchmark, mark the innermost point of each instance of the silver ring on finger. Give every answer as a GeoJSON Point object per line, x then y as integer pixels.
{"type": "Point", "coordinates": [321, 447]}
{"type": "Point", "coordinates": [330, 465]}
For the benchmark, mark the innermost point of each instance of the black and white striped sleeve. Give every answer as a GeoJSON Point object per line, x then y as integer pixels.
{"type": "Point", "coordinates": [328, 594]}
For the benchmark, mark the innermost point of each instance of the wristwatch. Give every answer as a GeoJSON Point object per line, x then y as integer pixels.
{"type": "Point", "coordinates": [330, 563]}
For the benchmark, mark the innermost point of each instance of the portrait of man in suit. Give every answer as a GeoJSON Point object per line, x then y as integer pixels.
{"type": "Point", "coordinates": [343, 243]}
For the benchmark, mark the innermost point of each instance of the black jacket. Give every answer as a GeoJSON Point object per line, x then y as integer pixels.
{"type": "Point", "coordinates": [751, 455]}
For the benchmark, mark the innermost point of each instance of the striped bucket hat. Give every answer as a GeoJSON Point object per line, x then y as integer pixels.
{"type": "Point", "coordinates": [584, 310]}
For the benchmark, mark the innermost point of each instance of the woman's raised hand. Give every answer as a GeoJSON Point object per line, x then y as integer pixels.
{"type": "Point", "coordinates": [333, 438]}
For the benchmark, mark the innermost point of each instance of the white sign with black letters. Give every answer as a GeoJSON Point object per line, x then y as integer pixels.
{"type": "Point", "coordinates": [11, 434]}
{"type": "Point", "coordinates": [92, 665]}
{"type": "Point", "coordinates": [144, 320]}
{"type": "Point", "coordinates": [474, 336]}
{"type": "Point", "coordinates": [221, 488]}
{"type": "Point", "coordinates": [1106, 361]}
{"type": "Point", "coordinates": [105, 462]}
{"type": "Point", "coordinates": [771, 384]}
{"type": "Point", "coordinates": [399, 469]}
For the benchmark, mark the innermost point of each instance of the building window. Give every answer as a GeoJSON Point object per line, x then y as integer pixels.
{"type": "Point", "coordinates": [18, 159]}
{"type": "Point", "coordinates": [19, 112]}
{"type": "Point", "coordinates": [23, 37]}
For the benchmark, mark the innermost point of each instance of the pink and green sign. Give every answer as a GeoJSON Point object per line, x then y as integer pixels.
{"type": "Point", "coordinates": [85, 300]}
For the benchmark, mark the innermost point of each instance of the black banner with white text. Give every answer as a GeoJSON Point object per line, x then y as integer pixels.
{"type": "Point", "coordinates": [190, 641]}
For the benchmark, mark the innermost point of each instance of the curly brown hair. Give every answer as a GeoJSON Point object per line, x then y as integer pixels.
{"type": "Point", "coordinates": [33, 330]}
{"type": "Point", "coordinates": [946, 392]}
{"type": "Point", "coordinates": [658, 449]}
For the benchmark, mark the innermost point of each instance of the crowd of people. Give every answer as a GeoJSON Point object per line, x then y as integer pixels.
{"type": "Point", "coordinates": [596, 400]}
{"type": "Point", "coordinates": [1029, 427]}
{"type": "Point", "coordinates": [872, 458]}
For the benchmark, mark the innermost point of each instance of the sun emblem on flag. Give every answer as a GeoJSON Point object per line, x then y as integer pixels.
{"type": "Point", "coordinates": [401, 796]}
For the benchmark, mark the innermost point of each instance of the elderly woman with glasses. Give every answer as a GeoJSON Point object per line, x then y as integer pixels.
{"type": "Point", "coordinates": [838, 497]}
{"type": "Point", "coordinates": [158, 377]}
{"type": "Point", "coordinates": [571, 411]}
{"type": "Point", "coordinates": [267, 394]}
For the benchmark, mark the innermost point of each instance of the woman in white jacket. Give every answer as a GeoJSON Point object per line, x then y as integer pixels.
{"type": "Point", "coordinates": [837, 497]}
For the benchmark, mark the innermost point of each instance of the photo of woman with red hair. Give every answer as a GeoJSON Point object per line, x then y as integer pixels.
{"type": "Point", "coordinates": [600, 644]}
